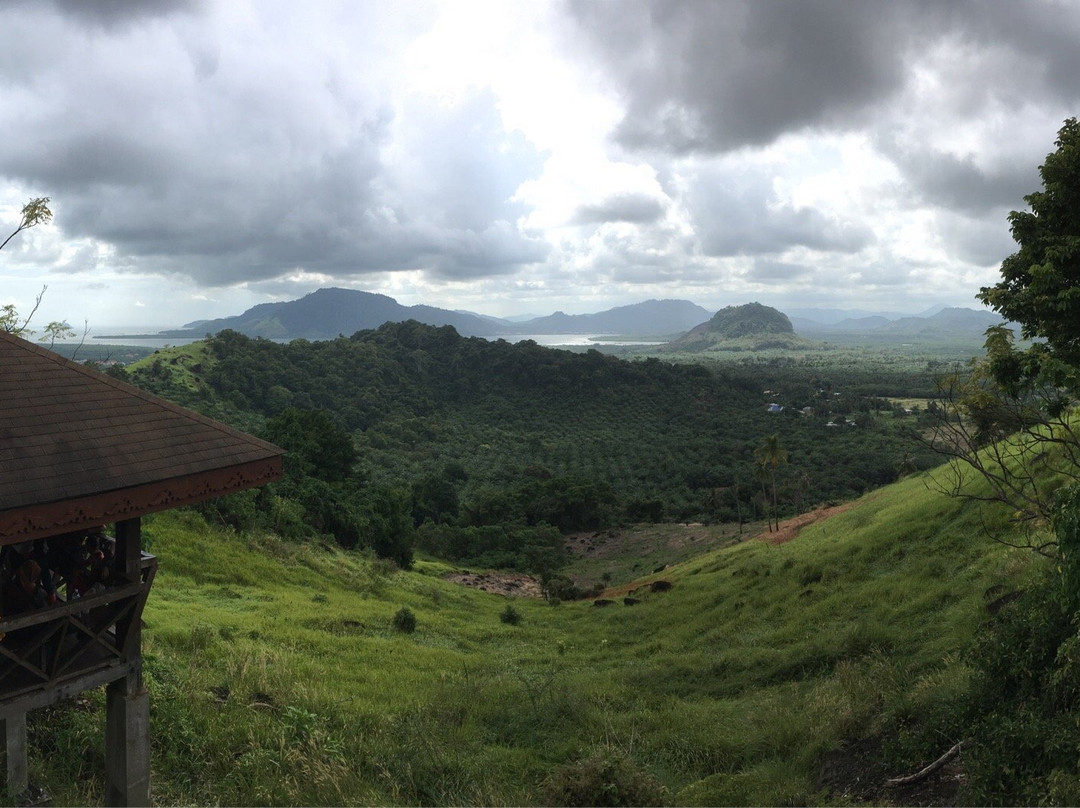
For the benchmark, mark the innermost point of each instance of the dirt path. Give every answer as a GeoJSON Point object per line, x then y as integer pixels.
{"type": "Point", "coordinates": [789, 528]}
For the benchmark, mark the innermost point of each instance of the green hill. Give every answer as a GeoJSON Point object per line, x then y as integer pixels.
{"type": "Point", "coordinates": [749, 325]}
{"type": "Point", "coordinates": [529, 429]}
{"type": "Point", "coordinates": [768, 674]}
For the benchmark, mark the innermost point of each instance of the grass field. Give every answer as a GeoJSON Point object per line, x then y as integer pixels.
{"type": "Point", "coordinates": [277, 675]}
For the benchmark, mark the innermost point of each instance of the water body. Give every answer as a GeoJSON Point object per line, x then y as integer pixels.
{"type": "Point", "coordinates": [144, 339]}
{"type": "Point", "coordinates": [569, 340]}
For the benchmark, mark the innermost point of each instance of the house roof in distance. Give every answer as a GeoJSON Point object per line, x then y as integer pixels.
{"type": "Point", "coordinates": [79, 448]}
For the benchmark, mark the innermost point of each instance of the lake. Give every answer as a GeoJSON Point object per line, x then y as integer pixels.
{"type": "Point", "coordinates": [144, 340]}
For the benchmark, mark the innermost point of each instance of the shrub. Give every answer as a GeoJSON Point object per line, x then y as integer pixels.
{"type": "Point", "coordinates": [405, 620]}
{"type": "Point", "coordinates": [510, 615]}
{"type": "Point", "coordinates": [607, 778]}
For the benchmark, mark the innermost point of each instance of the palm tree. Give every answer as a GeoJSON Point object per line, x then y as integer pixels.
{"type": "Point", "coordinates": [770, 456]}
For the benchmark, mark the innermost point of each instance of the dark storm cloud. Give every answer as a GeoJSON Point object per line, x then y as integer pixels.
{"type": "Point", "coordinates": [716, 76]}
{"type": "Point", "coordinates": [981, 242]}
{"type": "Point", "coordinates": [232, 165]}
{"type": "Point", "coordinates": [959, 184]}
{"type": "Point", "coordinates": [739, 215]}
{"type": "Point", "coordinates": [630, 208]}
{"type": "Point", "coordinates": [117, 12]}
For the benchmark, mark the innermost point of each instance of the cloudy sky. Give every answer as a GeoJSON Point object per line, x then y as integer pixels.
{"type": "Point", "coordinates": [203, 156]}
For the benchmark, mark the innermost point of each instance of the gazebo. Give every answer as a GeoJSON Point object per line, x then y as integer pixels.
{"type": "Point", "coordinates": [80, 450]}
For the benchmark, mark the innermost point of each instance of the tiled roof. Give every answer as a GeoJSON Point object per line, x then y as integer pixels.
{"type": "Point", "coordinates": [78, 447]}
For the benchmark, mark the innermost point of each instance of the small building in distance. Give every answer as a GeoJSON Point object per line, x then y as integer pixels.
{"type": "Point", "coordinates": [79, 451]}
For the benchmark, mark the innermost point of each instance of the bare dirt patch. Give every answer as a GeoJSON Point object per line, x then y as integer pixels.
{"type": "Point", "coordinates": [790, 528]}
{"type": "Point", "coordinates": [616, 543]}
{"type": "Point", "coordinates": [510, 584]}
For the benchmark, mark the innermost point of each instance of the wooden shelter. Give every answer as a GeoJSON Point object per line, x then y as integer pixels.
{"type": "Point", "coordinates": [80, 450]}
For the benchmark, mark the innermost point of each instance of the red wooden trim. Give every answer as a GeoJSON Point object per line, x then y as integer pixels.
{"type": "Point", "coordinates": [41, 521]}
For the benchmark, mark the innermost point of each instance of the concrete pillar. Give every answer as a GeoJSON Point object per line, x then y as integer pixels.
{"type": "Point", "coordinates": [127, 742]}
{"type": "Point", "coordinates": [14, 734]}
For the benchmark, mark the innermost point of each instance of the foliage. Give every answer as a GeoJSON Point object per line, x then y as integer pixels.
{"type": "Point", "coordinates": [1039, 282]}
{"type": "Point", "coordinates": [1011, 419]}
{"type": "Point", "coordinates": [404, 620]}
{"type": "Point", "coordinates": [510, 615]}
{"type": "Point", "coordinates": [751, 318]}
{"type": "Point", "coordinates": [1022, 439]}
{"type": "Point", "coordinates": [1011, 415]}
{"type": "Point", "coordinates": [316, 446]}
{"type": "Point", "coordinates": [488, 434]}
{"type": "Point", "coordinates": [33, 213]}
{"type": "Point", "coordinates": [276, 675]}
{"type": "Point", "coordinates": [608, 777]}
{"type": "Point", "coordinates": [770, 455]}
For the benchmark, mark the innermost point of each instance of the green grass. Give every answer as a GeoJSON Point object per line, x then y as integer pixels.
{"type": "Point", "coordinates": [277, 677]}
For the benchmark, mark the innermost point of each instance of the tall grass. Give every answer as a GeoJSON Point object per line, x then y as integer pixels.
{"type": "Point", "coordinates": [277, 676]}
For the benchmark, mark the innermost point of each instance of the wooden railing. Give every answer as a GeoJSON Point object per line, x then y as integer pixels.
{"type": "Point", "coordinates": [92, 639]}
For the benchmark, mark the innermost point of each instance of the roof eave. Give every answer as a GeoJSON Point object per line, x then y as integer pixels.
{"type": "Point", "coordinates": [50, 519]}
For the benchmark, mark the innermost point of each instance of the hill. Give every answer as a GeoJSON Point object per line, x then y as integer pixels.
{"type": "Point", "coordinates": [798, 673]}
{"type": "Point", "coordinates": [652, 317]}
{"type": "Point", "coordinates": [946, 323]}
{"type": "Point", "coordinates": [762, 324]}
{"type": "Point", "coordinates": [327, 313]}
{"type": "Point", "coordinates": [579, 441]}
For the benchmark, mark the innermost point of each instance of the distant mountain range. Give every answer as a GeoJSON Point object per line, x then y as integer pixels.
{"type": "Point", "coordinates": [944, 322]}
{"type": "Point", "coordinates": [655, 317]}
{"type": "Point", "coordinates": [326, 313]}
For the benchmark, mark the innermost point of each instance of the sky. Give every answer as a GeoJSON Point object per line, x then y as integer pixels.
{"type": "Point", "coordinates": [506, 158]}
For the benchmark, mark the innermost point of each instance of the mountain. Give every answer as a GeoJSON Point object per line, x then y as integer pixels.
{"type": "Point", "coordinates": [736, 322]}
{"type": "Point", "coordinates": [325, 313]}
{"type": "Point", "coordinates": [328, 312]}
{"type": "Point", "coordinates": [939, 323]}
{"type": "Point", "coordinates": [946, 323]}
{"type": "Point", "coordinates": [652, 317]}
{"type": "Point", "coordinates": [870, 322]}
{"type": "Point", "coordinates": [834, 316]}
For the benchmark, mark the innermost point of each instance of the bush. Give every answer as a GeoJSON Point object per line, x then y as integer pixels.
{"type": "Point", "coordinates": [607, 778]}
{"type": "Point", "coordinates": [405, 620]}
{"type": "Point", "coordinates": [510, 615]}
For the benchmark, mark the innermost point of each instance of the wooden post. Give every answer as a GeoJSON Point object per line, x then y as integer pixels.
{"type": "Point", "coordinates": [127, 742]}
{"type": "Point", "coordinates": [128, 569]}
{"type": "Point", "coordinates": [127, 704]}
{"type": "Point", "coordinates": [129, 549]}
{"type": "Point", "coordinates": [14, 733]}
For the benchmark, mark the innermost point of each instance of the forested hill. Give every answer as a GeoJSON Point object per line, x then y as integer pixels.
{"type": "Point", "coordinates": [750, 320]}
{"type": "Point", "coordinates": [468, 433]}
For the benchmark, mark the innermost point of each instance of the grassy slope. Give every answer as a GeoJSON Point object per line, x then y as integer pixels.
{"type": "Point", "coordinates": [276, 676]}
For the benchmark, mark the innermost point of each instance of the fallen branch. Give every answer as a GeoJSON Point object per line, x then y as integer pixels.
{"type": "Point", "coordinates": [926, 772]}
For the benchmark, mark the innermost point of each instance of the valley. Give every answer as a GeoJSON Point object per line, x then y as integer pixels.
{"type": "Point", "coordinates": [412, 615]}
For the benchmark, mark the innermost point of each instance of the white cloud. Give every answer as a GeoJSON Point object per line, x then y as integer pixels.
{"type": "Point", "coordinates": [204, 157]}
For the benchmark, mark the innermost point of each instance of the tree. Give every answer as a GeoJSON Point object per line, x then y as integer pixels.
{"type": "Point", "coordinates": [1011, 415]}
{"type": "Point", "coordinates": [316, 445]}
{"type": "Point", "coordinates": [34, 212]}
{"type": "Point", "coordinates": [770, 456]}
{"type": "Point", "coordinates": [1040, 285]}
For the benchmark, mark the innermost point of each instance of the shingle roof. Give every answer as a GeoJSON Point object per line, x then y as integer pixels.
{"type": "Point", "coordinates": [79, 448]}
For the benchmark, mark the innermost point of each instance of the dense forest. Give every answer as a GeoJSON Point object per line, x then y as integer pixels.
{"type": "Point", "coordinates": [488, 451]}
